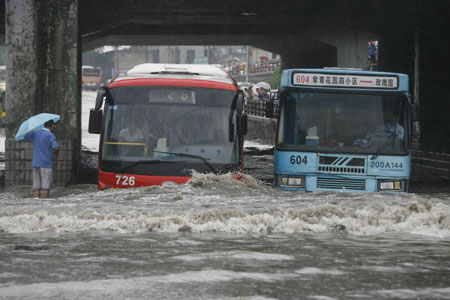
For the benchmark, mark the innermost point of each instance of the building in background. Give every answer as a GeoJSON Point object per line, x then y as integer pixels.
{"type": "Point", "coordinates": [115, 60]}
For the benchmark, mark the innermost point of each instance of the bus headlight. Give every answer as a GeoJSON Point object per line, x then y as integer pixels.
{"type": "Point", "coordinates": [390, 185]}
{"type": "Point", "coordinates": [291, 181]}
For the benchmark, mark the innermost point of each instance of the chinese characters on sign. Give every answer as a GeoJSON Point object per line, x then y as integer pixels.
{"type": "Point", "coordinates": [344, 80]}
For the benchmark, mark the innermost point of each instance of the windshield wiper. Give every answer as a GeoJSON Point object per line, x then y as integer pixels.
{"type": "Point", "coordinates": [205, 161]}
{"type": "Point", "coordinates": [383, 146]}
{"type": "Point", "coordinates": [143, 162]}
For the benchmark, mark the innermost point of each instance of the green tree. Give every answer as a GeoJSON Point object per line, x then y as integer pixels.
{"type": "Point", "coordinates": [2, 55]}
{"type": "Point", "coordinates": [276, 78]}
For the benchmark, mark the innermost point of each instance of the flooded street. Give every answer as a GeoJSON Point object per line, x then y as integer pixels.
{"type": "Point", "coordinates": [218, 238]}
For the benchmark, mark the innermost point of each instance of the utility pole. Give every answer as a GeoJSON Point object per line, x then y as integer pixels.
{"type": "Point", "coordinates": [416, 126]}
{"type": "Point", "coordinates": [116, 61]}
{"type": "Point", "coordinates": [209, 54]}
{"type": "Point", "coordinates": [248, 62]}
{"type": "Point", "coordinates": [146, 53]}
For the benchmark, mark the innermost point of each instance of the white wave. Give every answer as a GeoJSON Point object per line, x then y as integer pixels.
{"type": "Point", "coordinates": [319, 271]}
{"type": "Point", "coordinates": [202, 179]}
{"type": "Point", "coordinates": [319, 297]}
{"type": "Point", "coordinates": [411, 218]}
{"type": "Point", "coordinates": [257, 144]}
{"type": "Point", "coordinates": [426, 293]}
{"type": "Point", "coordinates": [387, 269]}
{"type": "Point", "coordinates": [242, 255]}
{"type": "Point", "coordinates": [116, 286]}
{"type": "Point", "coordinates": [9, 275]}
{"type": "Point", "coordinates": [220, 203]}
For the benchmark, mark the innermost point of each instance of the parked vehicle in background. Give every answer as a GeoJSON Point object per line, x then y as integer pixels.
{"type": "Point", "coordinates": [160, 122]}
{"type": "Point", "coordinates": [91, 77]}
{"type": "Point", "coordinates": [343, 130]}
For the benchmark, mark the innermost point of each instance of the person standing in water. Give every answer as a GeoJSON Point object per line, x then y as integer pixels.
{"type": "Point", "coordinates": [44, 143]}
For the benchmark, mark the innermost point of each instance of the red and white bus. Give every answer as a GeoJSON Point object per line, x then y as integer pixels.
{"type": "Point", "coordinates": [91, 77]}
{"type": "Point", "coordinates": [161, 122]}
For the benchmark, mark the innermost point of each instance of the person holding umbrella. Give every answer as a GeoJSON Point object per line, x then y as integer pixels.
{"type": "Point", "coordinates": [44, 143]}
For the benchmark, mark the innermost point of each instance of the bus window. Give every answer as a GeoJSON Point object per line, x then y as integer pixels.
{"type": "Point", "coordinates": [321, 121]}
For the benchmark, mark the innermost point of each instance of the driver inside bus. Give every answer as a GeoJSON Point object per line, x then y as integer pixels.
{"type": "Point", "coordinates": [391, 127]}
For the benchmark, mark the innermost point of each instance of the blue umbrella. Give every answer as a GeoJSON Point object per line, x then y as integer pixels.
{"type": "Point", "coordinates": [34, 123]}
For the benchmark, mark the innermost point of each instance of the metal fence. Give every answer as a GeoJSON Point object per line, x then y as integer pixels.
{"type": "Point", "coordinates": [258, 108]}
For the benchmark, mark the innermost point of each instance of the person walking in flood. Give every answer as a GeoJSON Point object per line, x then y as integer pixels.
{"type": "Point", "coordinates": [44, 143]}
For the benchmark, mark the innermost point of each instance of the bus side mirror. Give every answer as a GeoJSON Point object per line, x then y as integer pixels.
{"type": "Point", "coordinates": [241, 124]}
{"type": "Point", "coordinates": [101, 93]}
{"type": "Point", "coordinates": [95, 121]}
{"type": "Point", "coordinates": [240, 103]}
{"type": "Point", "coordinates": [231, 133]}
{"type": "Point", "coordinates": [415, 113]}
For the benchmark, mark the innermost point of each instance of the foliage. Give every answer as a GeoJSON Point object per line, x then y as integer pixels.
{"type": "Point", "coordinates": [276, 78]}
{"type": "Point", "coordinates": [2, 55]}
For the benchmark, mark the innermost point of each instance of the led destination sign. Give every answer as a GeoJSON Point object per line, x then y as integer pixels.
{"type": "Point", "coordinates": [344, 81]}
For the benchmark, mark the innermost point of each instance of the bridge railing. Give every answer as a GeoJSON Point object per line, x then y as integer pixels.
{"type": "Point", "coordinates": [258, 108]}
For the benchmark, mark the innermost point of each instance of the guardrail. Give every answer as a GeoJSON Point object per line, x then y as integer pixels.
{"type": "Point", "coordinates": [258, 108]}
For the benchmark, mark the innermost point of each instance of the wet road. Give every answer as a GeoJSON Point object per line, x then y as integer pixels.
{"type": "Point", "coordinates": [217, 238]}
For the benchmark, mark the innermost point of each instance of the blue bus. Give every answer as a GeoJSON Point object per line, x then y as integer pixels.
{"type": "Point", "coordinates": [343, 130]}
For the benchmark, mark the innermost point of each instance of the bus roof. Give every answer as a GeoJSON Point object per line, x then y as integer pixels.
{"type": "Point", "coordinates": [194, 69]}
{"type": "Point", "coordinates": [344, 79]}
{"type": "Point", "coordinates": [89, 67]}
{"type": "Point", "coordinates": [177, 75]}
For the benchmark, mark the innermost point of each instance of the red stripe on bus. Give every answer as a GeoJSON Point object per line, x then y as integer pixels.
{"type": "Point", "coordinates": [123, 180]}
{"type": "Point", "coordinates": [173, 82]}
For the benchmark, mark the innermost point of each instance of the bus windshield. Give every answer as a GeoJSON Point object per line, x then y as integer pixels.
{"type": "Point", "coordinates": [343, 123]}
{"type": "Point", "coordinates": [166, 124]}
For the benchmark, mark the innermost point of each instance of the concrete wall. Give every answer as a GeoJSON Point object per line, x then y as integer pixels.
{"type": "Point", "coordinates": [43, 64]}
{"type": "Point", "coordinates": [351, 44]}
{"type": "Point", "coordinates": [326, 45]}
{"type": "Point", "coordinates": [128, 59]}
{"type": "Point", "coordinates": [261, 129]}
{"type": "Point", "coordinates": [255, 77]}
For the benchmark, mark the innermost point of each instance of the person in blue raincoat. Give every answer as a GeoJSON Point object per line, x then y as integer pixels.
{"type": "Point", "coordinates": [44, 144]}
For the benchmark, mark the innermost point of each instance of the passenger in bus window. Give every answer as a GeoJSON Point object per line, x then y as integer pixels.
{"type": "Point", "coordinates": [131, 134]}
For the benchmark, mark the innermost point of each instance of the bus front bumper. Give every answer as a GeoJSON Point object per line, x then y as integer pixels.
{"type": "Point", "coordinates": [326, 182]}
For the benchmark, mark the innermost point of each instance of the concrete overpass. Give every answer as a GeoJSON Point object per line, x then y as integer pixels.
{"type": "Point", "coordinates": [45, 39]}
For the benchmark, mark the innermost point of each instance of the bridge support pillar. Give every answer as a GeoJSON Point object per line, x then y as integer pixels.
{"type": "Point", "coordinates": [434, 96]}
{"type": "Point", "coordinates": [396, 53]}
{"type": "Point", "coordinates": [305, 53]}
{"type": "Point", "coordinates": [43, 59]}
{"type": "Point", "coordinates": [429, 41]}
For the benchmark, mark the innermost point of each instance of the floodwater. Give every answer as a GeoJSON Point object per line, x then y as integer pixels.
{"type": "Point", "coordinates": [218, 238]}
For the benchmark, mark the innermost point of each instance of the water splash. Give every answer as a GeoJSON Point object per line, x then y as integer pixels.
{"type": "Point", "coordinates": [220, 203]}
